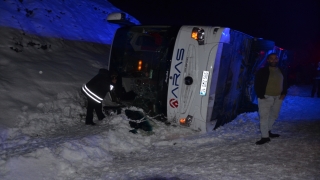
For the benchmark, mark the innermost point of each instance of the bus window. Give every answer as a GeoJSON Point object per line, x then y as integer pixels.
{"type": "Point", "coordinates": [139, 55]}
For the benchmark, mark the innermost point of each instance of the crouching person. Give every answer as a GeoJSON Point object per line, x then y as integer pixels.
{"type": "Point", "coordinates": [95, 90]}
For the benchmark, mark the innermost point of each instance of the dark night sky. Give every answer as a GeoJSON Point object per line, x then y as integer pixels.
{"type": "Point", "coordinates": [292, 24]}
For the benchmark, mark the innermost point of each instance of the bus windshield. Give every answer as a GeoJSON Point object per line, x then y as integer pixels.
{"type": "Point", "coordinates": [141, 58]}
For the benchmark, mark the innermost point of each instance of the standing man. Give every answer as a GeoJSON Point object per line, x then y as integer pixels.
{"type": "Point", "coordinates": [316, 82]}
{"type": "Point", "coordinates": [95, 90]}
{"type": "Point", "coordinates": [271, 88]}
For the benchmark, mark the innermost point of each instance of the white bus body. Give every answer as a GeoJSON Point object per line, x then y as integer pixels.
{"type": "Point", "coordinates": [197, 76]}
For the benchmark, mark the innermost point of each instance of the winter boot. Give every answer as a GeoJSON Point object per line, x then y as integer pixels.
{"type": "Point", "coordinates": [262, 141]}
{"type": "Point", "coordinates": [271, 135]}
{"type": "Point", "coordinates": [91, 123]}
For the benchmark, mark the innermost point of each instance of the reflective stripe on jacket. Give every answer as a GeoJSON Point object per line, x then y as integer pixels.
{"type": "Point", "coordinates": [91, 94]}
{"type": "Point", "coordinates": [97, 88]}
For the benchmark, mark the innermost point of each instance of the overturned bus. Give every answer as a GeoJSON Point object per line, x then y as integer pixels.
{"type": "Point", "coordinates": [196, 76]}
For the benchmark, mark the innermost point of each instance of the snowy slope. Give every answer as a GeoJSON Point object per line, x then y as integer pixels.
{"type": "Point", "coordinates": [53, 42]}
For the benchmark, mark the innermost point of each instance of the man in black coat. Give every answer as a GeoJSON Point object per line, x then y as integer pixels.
{"type": "Point", "coordinates": [271, 88]}
{"type": "Point", "coordinates": [316, 82]}
{"type": "Point", "coordinates": [95, 90]}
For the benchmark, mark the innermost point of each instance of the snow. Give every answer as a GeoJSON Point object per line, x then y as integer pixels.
{"type": "Point", "coordinates": [42, 131]}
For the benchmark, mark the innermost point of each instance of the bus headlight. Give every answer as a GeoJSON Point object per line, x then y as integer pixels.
{"type": "Point", "coordinates": [186, 121]}
{"type": "Point", "coordinates": [198, 34]}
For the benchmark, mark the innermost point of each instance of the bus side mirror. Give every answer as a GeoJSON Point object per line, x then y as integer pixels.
{"type": "Point", "coordinates": [119, 18]}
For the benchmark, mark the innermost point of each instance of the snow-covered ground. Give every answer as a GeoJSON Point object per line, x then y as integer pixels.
{"type": "Point", "coordinates": [42, 132]}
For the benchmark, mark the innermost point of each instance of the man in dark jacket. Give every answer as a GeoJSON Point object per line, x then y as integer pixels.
{"type": "Point", "coordinates": [271, 88]}
{"type": "Point", "coordinates": [316, 82]}
{"type": "Point", "coordinates": [95, 90]}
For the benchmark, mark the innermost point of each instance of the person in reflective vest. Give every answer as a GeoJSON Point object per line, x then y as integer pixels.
{"type": "Point", "coordinates": [95, 90]}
